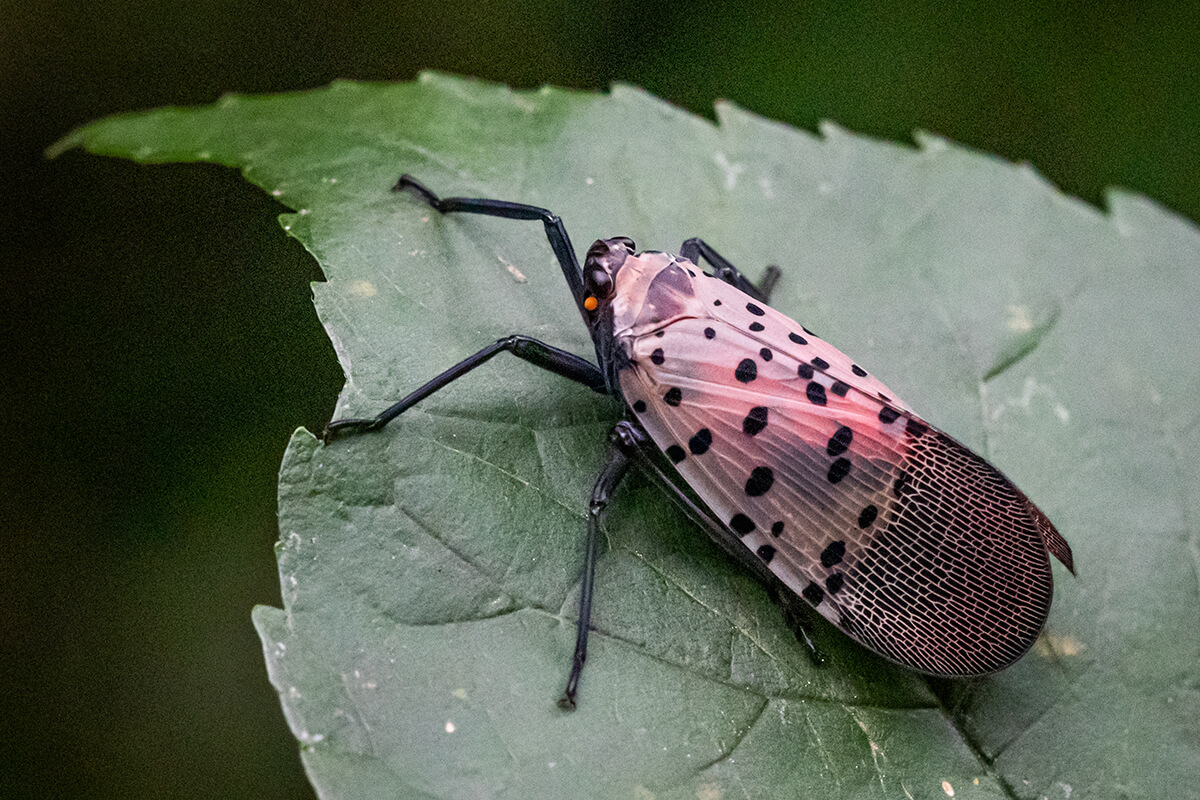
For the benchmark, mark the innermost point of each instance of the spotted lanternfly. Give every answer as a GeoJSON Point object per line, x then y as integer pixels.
{"type": "Point", "coordinates": [793, 457]}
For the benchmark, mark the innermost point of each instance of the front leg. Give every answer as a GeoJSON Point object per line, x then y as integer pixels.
{"type": "Point", "coordinates": [548, 357]}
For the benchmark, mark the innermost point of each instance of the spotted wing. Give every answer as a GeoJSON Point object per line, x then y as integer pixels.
{"type": "Point", "coordinates": [891, 529]}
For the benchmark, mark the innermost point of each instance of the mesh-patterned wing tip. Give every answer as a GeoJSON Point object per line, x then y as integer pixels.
{"type": "Point", "coordinates": [1055, 543]}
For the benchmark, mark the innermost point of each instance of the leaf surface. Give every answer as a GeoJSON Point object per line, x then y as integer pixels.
{"type": "Point", "coordinates": [430, 572]}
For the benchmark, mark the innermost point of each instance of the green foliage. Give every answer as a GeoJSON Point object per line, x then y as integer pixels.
{"type": "Point", "coordinates": [429, 572]}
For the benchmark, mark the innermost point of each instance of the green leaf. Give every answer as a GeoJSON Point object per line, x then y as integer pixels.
{"type": "Point", "coordinates": [430, 572]}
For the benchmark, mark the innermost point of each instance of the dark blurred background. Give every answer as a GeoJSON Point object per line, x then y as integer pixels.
{"type": "Point", "coordinates": [159, 345]}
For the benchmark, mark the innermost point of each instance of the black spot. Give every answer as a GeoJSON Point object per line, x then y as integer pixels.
{"type": "Point", "coordinates": [676, 454]}
{"type": "Point", "coordinates": [833, 554]}
{"type": "Point", "coordinates": [916, 429]}
{"type": "Point", "coordinates": [660, 334]}
{"type": "Point", "coordinates": [833, 584]}
{"type": "Point", "coordinates": [746, 370]}
{"type": "Point", "coordinates": [761, 480]}
{"type": "Point", "coordinates": [700, 443]}
{"type": "Point", "coordinates": [839, 388]}
{"type": "Point", "coordinates": [766, 354]}
{"type": "Point", "coordinates": [797, 338]}
{"type": "Point", "coordinates": [838, 470]}
{"type": "Point", "coordinates": [888, 415]}
{"type": "Point", "coordinates": [755, 310]}
{"type": "Point", "coordinates": [857, 370]}
{"type": "Point", "coordinates": [806, 330]}
{"type": "Point", "coordinates": [689, 272]}
{"type": "Point", "coordinates": [813, 594]}
{"type": "Point", "coordinates": [756, 326]}
{"type": "Point", "coordinates": [755, 421]}
{"type": "Point", "coordinates": [709, 333]}
{"type": "Point", "coordinates": [673, 396]}
{"type": "Point", "coordinates": [766, 553]}
{"type": "Point", "coordinates": [805, 371]}
{"type": "Point", "coordinates": [741, 524]}
{"type": "Point", "coordinates": [840, 441]}
{"type": "Point", "coordinates": [777, 528]}
{"type": "Point", "coordinates": [820, 363]}
{"type": "Point", "coordinates": [657, 357]}
{"type": "Point", "coordinates": [639, 406]}
{"type": "Point", "coordinates": [716, 302]}
{"type": "Point", "coordinates": [816, 393]}
{"type": "Point", "coordinates": [867, 516]}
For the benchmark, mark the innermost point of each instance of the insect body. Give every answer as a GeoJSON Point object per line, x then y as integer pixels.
{"type": "Point", "coordinates": [796, 460]}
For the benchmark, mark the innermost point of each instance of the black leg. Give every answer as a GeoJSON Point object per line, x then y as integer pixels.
{"type": "Point", "coordinates": [614, 470]}
{"type": "Point", "coordinates": [695, 248]}
{"type": "Point", "coordinates": [560, 362]}
{"type": "Point", "coordinates": [556, 232]}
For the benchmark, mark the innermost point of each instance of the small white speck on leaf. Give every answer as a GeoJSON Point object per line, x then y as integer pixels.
{"type": "Point", "coordinates": [947, 788]}
{"type": "Point", "coordinates": [1030, 390]}
{"type": "Point", "coordinates": [1055, 645]}
{"type": "Point", "coordinates": [450, 727]}
{"type": "Point", "coordinates": [1019, 320]}
{"type": "Point", "coordinates": [732, 171]}
{"type": "Point", "coordinates": [363, 289]}
{"type": "Point", "coordinates": [933, 144]}
{"type": "Point", "coordinates": [512, 270]}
